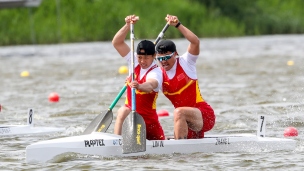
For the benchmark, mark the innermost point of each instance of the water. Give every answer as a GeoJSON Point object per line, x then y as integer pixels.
{"type": "Point", "coordinates": [240, 77]}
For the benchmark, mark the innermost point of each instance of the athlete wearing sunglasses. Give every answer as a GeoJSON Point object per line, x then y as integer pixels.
{"type": "Point", "coordinates": [165, 57]}
{"type": "Point", "coordinates": [192, 115]}
{"type": "Point", "coordinates": [166, 54]}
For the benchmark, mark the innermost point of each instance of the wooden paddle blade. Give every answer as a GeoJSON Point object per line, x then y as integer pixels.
{"type": "Point", "coordinates": [134, 134]}
{"type": "Point", "coordinates": [101, 123]}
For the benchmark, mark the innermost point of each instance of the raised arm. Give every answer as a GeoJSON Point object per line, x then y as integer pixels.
{"type": "Point", "coordinates": [119, 39]}
{"type": "Point", "coordinates": [194, 46]}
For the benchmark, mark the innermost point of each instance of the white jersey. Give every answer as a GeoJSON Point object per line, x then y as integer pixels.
{"type": "Point", "coordinates": [187, 62]}
{"type": "Point", "coordinates": [155, 73]}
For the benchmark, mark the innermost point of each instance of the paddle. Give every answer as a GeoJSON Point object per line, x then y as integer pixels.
{"type": "Point", "coordinates": [161, 34]}
{"type": "Point", "coordinates": [133, 127]}
{"type": "Point", "coordinates": [102, 122]}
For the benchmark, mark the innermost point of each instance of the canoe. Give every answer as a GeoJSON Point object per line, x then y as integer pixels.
{"type": "Point", "coordinates": [110, 145]}
{"type": "Point", "coordinates": [29, 129]}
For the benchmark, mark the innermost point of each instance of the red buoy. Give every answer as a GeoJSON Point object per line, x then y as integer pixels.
{"type": "Point", "coordinates": [290, 132]}
{"type": "Point", "coordinates": [163, 113]}
{"type": "Point", "coordinates": [54, 97]}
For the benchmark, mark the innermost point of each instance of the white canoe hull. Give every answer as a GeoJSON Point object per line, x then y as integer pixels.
{"type": "Point", "coordinates": [109, 145]}
{"type": "Point", "coordinates": [29, 129]}
{"type": "Point", "coordinates": [9, 130]}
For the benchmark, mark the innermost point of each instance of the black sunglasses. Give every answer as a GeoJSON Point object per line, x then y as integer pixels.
{"type": "Point", "coordinates": [164, 58]}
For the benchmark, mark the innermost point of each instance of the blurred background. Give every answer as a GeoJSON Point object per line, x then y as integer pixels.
{"type": "Point", "coordinates": [63, 21]}
{"type": "Point", "coordinates": [56, 56]}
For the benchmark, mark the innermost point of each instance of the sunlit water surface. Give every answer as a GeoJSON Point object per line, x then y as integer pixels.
{"type": "Point", "coordinates": [240, 77]}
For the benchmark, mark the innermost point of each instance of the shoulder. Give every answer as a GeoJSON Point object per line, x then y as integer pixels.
{"type": "Point", "coordinates": [128, 57]}
{"type": "Point", "coordinates": [156, 70]}
{"type": "Point", "coordinates": [188, 58]}
{"type": "Point", "coordinates": [155, 73]}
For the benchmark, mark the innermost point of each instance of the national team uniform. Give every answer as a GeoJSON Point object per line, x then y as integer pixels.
{"type": "Point", "coordinates": [146, 102]}
{"type": "Point", "coordinates": [181, 86]}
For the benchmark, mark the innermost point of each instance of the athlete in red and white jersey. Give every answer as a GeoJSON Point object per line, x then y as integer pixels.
{"type": "Point", "coordinates": [192, 115]}
{"type": "Point", "coordinates": [147, 81]}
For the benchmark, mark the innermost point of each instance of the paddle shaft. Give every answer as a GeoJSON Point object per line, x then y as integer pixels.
{"type": "Point", "coordinates": [118, 97]}
{"type": "Point", "coordinates": [161, 34]}
{"type": "Point", "coordinates": [132, 66]}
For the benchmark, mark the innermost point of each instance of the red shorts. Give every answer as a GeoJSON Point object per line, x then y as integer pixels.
{"type": "Point", "coordinates": [155, 132]}
{"type": "Point", "coordinates": [208, 120]}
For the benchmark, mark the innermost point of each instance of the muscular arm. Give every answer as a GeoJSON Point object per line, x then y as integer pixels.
{"type": "Point", "coordinates": [147, 86]}
{"type": "Point", "coordinates": [194, 46]}
{"type": "Point", "coordinates": [119, 39]}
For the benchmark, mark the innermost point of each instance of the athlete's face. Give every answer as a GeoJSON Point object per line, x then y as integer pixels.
{"type": "Point", "coordinates": [145, 60]}
{"type": "Point", "coordinates": [166, 60]}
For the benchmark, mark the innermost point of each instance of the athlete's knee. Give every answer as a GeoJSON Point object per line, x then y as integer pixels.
{"type": "Point", "coordinates": [196, 127]}
{"type": "Point", "coordinates": [178, 114]}
{"type": "Point", "coordinates": [119, 116]}
{"type": "Point", "coordinates": [122, 113]}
